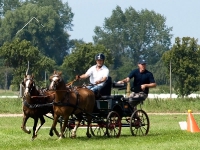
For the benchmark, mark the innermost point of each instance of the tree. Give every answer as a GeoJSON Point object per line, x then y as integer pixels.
{"type": "Point", "coordinates": [63, 10]}
{"type": "Point", "coordinates": [82, 57]}
{"type": "Point", "coordinates": [133, 35]}
{"type": "Point", "coordinates": [6, 5]}
{"type": "Point", "coordinates": [47, 28]}
{"type": "Point", "coordinates": [5, 75]}
{"type": "Point", "coordinates": [184, 57]}
{"type": "Point", "coordinates": [18, 53]}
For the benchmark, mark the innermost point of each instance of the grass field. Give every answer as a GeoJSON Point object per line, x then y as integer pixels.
{"type": "Point", "coordinates": [9, 93]}
{"type": "Point", "coordinates": [164, 134]}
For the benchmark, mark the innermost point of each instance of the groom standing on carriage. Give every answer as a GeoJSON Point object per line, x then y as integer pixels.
{"type": "Point", "coordinates": [143, 80]}
{"type": "Point", "coordinates": [98, 74]}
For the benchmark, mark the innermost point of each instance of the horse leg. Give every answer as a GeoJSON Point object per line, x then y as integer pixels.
{"type": "Point", "coordinates": [64, 127]}
{"type": "Point", "coordinates": [53, 127]}
{"type": "Point", "coordinates": [89, 120]}
{"type": "Point", "coordinates": [42, 121]}
{"type": "Point", "coordinates": [34, 128]}
{"type": "Point", "coordinates": [23, 127]}
{"type": "Point", "coordinates": [77, 124]}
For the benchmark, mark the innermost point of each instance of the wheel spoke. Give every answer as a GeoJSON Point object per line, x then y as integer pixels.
{"type": "Point", "coordinates": [139, 123]}
{"type": "Point", "coordinates": [113, 124]}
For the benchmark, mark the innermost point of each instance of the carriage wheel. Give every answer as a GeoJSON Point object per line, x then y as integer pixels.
{"type": "Point", "coordinates": [114, 125]}
{"type": "Point", "coordinates": [98, 128]}
{"type": "Point", "coordinates": [139, 123]}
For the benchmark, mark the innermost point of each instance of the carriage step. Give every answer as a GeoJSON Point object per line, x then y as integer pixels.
{"type": "Point", "coordinates": [125, 125]}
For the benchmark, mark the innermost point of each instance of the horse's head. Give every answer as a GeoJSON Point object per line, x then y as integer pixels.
{"type": "Point", "coordinates": [56, 81]}
{"type": "Point", "coordinates": [28, 84]}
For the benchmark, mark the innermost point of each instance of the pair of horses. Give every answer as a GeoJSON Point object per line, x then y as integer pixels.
{"type": "Point", "coordinates": [60, 101]}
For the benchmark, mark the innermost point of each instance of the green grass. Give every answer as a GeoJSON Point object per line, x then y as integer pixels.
{"type": "Point", "coordinates": [14, 105]}
{"type": "Point", "coordinates": [11, 105]}
{"type": "Point", "coordinates": [177, 105]}
{"type": "Point", "coordinates": [9, 93]}
{"type": "Point", "coordinates": [164, 134]}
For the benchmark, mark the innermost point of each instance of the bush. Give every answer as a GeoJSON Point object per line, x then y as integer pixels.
{"type": "Point", "coordinates": [14, 88]}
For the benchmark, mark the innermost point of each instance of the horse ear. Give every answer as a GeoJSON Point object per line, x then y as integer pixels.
{"type": "Point", "coordinates": [54, 72]}
{"type": "Point", "coordinates": [22, 83]}
{"type": "Point", "coordinates": [60, 73]}
{"type": "Point", "coordinates": [32, 75]}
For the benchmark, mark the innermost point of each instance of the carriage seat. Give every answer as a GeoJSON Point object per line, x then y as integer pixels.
{"type": "Point", "coordinates": [106, 88]}
{"type": "Point", "coordinates": [113, 97]}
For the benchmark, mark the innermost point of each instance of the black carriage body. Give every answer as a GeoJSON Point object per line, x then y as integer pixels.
{"type": "Point", "coordinates": [114, 103]}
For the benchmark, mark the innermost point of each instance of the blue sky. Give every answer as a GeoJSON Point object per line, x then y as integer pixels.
{"type": "Point", "coordinates": [182, 15]}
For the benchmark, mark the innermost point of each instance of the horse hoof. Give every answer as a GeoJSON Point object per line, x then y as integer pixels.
{"type": "Point", "coordinates": [61, 137]}
{"type": "Point", "coordinates": [73, 136]}
{"type": "Point", "coordinates": [29, 132]}
{"type": "Point", "coordinates": [26, 131]}
{"type": "Point", "coordinates": [89, 135]}
{"type": "Point", "coordinates": [51, 133]}
{"type": "Point", "coordinates": [33, 138]}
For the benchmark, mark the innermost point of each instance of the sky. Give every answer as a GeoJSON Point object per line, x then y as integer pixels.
{"type": "Point", "coordinates": [182, 15]}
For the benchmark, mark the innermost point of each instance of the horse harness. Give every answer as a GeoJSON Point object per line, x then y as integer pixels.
{"type": "Point", "coordinates": [36, 105]}
{"type": "Point", "coordinates": [66, 96]}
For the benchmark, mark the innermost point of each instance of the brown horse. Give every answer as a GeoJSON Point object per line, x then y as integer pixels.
{"type": "Point", "coordinates": [35, 104]}
{"type": "Point", "coordinates": [68, 102]}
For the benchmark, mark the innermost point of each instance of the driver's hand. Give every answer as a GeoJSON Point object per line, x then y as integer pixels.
{"type": "Point", "coordinates": [97, 82]}
{"type": "Point", "coordinates": [120, 82]}
{"type": "Point", "coordinates": [77, 77]}
{"type": "Point", "coordinates": [143, 87]}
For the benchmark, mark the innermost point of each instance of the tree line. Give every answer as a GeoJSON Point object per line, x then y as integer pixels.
{"type": "Point", "coordinates": [36, 31]}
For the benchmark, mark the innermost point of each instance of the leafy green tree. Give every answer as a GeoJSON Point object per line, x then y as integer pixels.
{"type": "Point", "coordinates": [11, 5]}
{"type": "Point", "coordinates": [82, 57]}
{"type": "Point", "coordinates": [42, 25]}
{"type": "Point", "coordinates": [18, 53]}
{"type": "Point", "coordinates": [5, 75]}
{"type": "Point", "coordinates": [184, 57]}
{"type": "Point", "coordinates": [134, 35]}
{"type": "Point", "coordinates": [62, 9]}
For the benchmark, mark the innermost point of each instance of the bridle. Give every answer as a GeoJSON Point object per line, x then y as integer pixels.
{"type": "Point", "coordinates": [29, 84]}
{"type": "Point", "coordinates": [55, 80]}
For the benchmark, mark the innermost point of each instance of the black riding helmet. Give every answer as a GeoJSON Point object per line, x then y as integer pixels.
{"type": "Point", "coordinates": [100, 56]}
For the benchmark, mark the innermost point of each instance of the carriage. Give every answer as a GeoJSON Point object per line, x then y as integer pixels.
{"type": "Point", "coordinates": [112, 111]}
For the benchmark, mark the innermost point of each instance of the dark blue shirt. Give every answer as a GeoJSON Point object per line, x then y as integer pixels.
{"type": "Point", "coordinates": [145, 77]}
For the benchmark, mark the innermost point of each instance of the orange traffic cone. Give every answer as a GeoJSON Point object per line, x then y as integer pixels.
{"type": "Point", "coordinates": [191, 123]}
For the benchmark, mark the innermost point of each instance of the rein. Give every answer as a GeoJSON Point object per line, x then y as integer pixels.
{"type": "Point", "coordinates": [36, 105]}
{"type": "Point", "coordinates": [70, 83]}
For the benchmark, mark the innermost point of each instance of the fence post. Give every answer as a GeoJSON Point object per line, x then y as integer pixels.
{"type": "Point", "coordinates": [21, 91]}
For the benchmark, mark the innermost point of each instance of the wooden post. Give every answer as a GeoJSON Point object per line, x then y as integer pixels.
{"type": "Point", "coordinates": [128, 89]}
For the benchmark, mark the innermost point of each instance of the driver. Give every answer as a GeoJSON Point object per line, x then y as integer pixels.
{"type": "Point", "coordinates": [98, 74]}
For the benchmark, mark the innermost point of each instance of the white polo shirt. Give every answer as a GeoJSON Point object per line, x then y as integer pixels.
{"type": "Point", "coordinates": [97, 75]}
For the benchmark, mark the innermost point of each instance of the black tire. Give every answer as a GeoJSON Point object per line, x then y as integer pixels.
{"type": "Point", "coordinates": [98, 128]}
{"type": "Point", "coordinates": [139, 123]}
{"type": "Point", "coordinates": [113, 128]}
